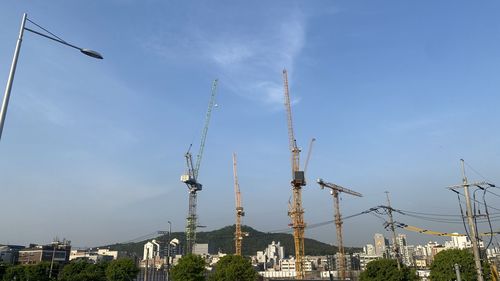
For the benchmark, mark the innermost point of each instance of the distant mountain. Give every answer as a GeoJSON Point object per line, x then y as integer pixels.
{"type": "Point", "coordinates": [223, 240]}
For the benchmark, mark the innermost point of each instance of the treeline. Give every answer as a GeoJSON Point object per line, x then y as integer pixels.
{"type": "Point", "coordinates": [80, 270]}
{"type": "Point", "coordinates": [223, 240]}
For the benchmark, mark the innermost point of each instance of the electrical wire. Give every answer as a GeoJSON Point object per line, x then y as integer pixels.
{"type": "Point", "coordinates": [490, 207]}
{"type": "Point", "coordinates": [474, 215]}
{"type": "Point", "coordinates": [488, 216]}
{"type": "Point", "coordinates": [462, 212]}
{"type": "Point", "coordinates": [430, 214]}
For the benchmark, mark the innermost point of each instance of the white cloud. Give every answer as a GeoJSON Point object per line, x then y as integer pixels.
{"type": "Point", "coordinates": [249, 64]}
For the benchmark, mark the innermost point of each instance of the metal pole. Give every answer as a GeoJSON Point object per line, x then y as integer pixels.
{"type": "Point", "coordinates": [472, 226]}
{"type": "Point", "coordinates": [53, 255]}
{"type": "Point", "coordinates": [168, 249]}
{"type": "Point", "coordinates": [147, 265]}
{"type": "Point", "coordinates": [391, 221]}
{"type": "Point", "coordinates": [10, 80]}
{"type": "Point", "coordinates": [457, 272]}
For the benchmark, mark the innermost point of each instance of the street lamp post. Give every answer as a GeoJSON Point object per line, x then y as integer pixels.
{"type": "Point", "coordinates": [168, 249]}
{"type": "Point", "coordinates": [10, 80]}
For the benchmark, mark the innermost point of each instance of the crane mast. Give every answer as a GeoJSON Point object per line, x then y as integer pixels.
{"type": "Point", "coordinates": [335, 190]}
{"type": "Point", "coordinates": [238, 235]}
{"type": "Point", "coordinates": [190, 178]}
{"type": "Point", "coordinates": [296, 212]}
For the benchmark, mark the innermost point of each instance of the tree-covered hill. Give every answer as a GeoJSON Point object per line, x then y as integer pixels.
{"type": "Point", "coordinates": [223, 240]}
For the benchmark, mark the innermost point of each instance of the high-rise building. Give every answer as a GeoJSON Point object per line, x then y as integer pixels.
{"type": "Point", "coordinates": [381, 244]}
{"type": "Point", "coordinates": [369, 249]}
{"type": "Point", "coordinates": [405, 251]}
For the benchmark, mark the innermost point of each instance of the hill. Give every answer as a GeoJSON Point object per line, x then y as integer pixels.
{"type": "Point", "coordinates": [222, 240]}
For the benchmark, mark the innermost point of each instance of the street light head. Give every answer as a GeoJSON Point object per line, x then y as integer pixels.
{"type": "Point", "coordinates": [91, 53]}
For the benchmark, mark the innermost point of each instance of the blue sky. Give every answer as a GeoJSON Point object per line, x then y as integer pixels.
{"type": "Point", "coordinates": [395, 92]}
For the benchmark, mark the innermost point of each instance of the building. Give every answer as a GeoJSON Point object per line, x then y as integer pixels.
{"type": "Point", "coordinates": [289, 265]}
{"type": "Point", "coordinates": [364, 259]}
{"type": "Point", "coordinates": [271, 256]}
{"type": "Point", "coordinates": [381, 244]}
{"type": "Point", "coordinates": [369, 249]}
{"type": "Point", "coordinates": [59, 252]}
{"type": "Point", "coordinates": [95, 255]}
{"type": "Point", "coordinates": [9, 254]}
{"type": "Point", "coordinates": [200, 249]}
{"type": "Point", "coordinates": [151, 250]}
{"type": "Point", "coordinates": [405, 251]}
{"type": "Point", "coordinates": [347, 261]}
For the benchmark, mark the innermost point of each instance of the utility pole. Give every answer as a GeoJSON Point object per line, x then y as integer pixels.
{"type": "Point", "coordinates": [395, 247]}
{"type": "Point", "coordinates": [472, 224]}
{"type": "Point", "coordinates": [147, 265]}
{"type": "Point", "coordinates": [457, 272]}
{"type": "Point", "coordinates": [167, 237]}
{"type": "Point", "coordinates": [168, 249]}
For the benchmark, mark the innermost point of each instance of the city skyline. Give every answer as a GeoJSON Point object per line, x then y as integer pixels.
{"type": "Point", "coordinates": [93, 150]}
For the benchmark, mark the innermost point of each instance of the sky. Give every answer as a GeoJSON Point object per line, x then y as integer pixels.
{"type": "Point", "coordinates": [395, 93]}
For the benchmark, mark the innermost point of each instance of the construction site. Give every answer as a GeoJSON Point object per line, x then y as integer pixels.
{"type": "Point", "coordinates": [295, 210]}
{"type": "Point", "coordinates": [351, 140]}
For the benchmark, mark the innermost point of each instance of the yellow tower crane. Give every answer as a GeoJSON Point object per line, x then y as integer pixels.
{"type": "Point", "coordinates": [296, 212]}
{"type": "Point", "coordinates": [335, 190]}
{"type": "Point", "coordinates": [238, 234]}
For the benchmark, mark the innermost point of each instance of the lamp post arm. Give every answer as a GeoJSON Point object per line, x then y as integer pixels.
{"type": "Point", "coordinates": [88, 52]}
{"type": "Point", "coordinates": [53, 38]}
{"type": "Point", "coordinates": [10, 80]}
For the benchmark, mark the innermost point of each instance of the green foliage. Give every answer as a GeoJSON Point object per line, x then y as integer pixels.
{"type": "Point", "coordinates": [83, 271]}
{"type": "Point", "coordinates": [121, 270]}
{"type": "Point", "coordinates": [3, 269]}
{"type": "Point", "coordinates": [39, 272]}
{"type": "Point", "coordinates": [387, 270]}
{"type": "Point", "coordinates": [222, 239]}
{"type": "Point", "coordinates": [189, 268]}
{"type": "Point", "coordinates": [442, 268]}
{"type": "Point", "coordinates": [15, 273]}
{"type": "Point", "coordinates": [233, 268]}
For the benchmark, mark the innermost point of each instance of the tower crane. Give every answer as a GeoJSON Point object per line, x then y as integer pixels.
{"type": "Point", "coordinates": [190, 178]}
{"type": "Point", "coordinates": [296, 212]}
{"type": "Point", "coordinates": [335, 190]}
{"type": "Point", "coordinates": [238, 234]}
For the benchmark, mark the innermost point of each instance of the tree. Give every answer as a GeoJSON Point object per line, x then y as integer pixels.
{"type": "Point", "coordinates": [189, 268]}
{"type": "Point", "coordinates": [15, 273]}
{"type": "Point", "coordinates": [443, 266]}
{"type": "Point", "coordinates": [387, 270]}
{"type": "Point", "coordinates": [121, 270]}
{"type": "Point", "coordinates": [233, 268]}
{"type": "Point", "coordinates": [83, 271]}
{"type": "Point", "coordinates": [3, 269]}
{"type": "Point", "coordinates": [39, 272]}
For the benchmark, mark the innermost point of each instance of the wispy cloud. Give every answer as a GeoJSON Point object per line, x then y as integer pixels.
{"type": "Point", "coordinates": [249, 64]}
{"type": "Point", "coordinates": [45, 108]}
